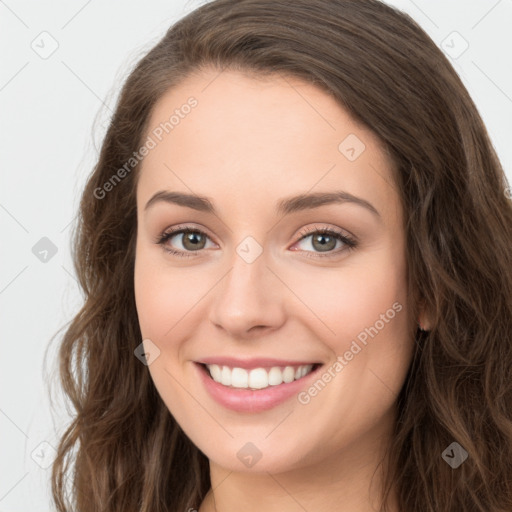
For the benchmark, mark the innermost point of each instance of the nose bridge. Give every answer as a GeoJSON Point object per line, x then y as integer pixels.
{"type": "Point", "coordinates": [247, 297]}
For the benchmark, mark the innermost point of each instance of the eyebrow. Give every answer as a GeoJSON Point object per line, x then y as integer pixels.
{"type": "Point", "coordinates": [284, 207]}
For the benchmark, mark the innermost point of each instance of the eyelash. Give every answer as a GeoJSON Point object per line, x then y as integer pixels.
{"type": "Point", "coordinates": [349, 242]}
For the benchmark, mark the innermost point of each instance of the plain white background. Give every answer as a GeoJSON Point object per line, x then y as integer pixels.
{"type": "Point", "coordinates": [63, 64]}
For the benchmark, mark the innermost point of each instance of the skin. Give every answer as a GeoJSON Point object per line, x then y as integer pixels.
{"type": "Point", "coordinates": [249, 143]}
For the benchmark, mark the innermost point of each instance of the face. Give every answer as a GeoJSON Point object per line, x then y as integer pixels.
{"type": "Point", "coordinates": [293, 257]}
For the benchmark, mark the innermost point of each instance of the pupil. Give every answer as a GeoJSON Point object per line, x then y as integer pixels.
{"type": "Point", "coordinates": [192, 238]}
{"type": "Point", "coordinates": [324, 246]}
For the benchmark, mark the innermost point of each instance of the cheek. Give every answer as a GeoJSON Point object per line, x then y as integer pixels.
{"type": "Point", "coordinates": [163, 295]}
{"type": "Point", "coordinates": [153, 299]}
{"type": "Point", "coordinates": [164, 299]}
{"type": "Point", "coordinates": [350, 301]}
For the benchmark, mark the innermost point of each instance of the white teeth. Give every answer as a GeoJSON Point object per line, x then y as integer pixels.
{"type": "Point", "coordinates": [225, 377]}
{"type": "Point", "coordinates": [216, 372]}
{"type": "Point", "coordinates": [289, 374]}
{"type": "Point", "coordinates": [239, 378]}
{"type": "Point", "coordinates": [258, 378]}
{"type": "Point", "coordinates": [275, 376]}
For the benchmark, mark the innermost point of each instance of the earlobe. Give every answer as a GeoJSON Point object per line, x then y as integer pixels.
{"type": "Point", "coordinates": [423, 321]}
{"type": "Point", "coordinates": [424, 324]}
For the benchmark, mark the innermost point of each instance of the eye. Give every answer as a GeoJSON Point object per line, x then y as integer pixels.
{"type": "Point", "coordinates": [190, 239]}
{"type": "Point", "coordinates": [322, 241]}
{"type": "Point", "coordinates": [325, 240]}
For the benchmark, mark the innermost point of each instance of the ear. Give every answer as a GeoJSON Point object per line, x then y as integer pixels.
{"type": "Point", "coordinates": [424, 321]}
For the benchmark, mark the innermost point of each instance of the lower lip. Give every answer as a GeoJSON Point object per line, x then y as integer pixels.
{"type": "Point", "coordinates": [248, 400]}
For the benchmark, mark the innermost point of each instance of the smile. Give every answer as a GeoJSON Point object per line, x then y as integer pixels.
{"type": "Point", "coordinates": [257, 378]}
{"type": "Point", "coordinates": [262, 385]}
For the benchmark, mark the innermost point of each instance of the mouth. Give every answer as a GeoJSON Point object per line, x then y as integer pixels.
{"type": "Point", "coordinates": [260, 378]}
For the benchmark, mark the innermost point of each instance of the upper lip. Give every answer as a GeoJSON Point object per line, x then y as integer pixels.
{"type": "Point", "coordinates": [258, 362]}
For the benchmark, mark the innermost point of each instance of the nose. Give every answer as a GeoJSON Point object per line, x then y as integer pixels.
{"type": "Point", "coordinates": [249, 300]}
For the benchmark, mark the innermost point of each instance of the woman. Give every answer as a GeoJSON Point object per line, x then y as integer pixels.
{"type": "Point", "coordinates": [295, 253]}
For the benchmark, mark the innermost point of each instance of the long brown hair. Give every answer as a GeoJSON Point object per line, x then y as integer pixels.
{"type": "Point", "coordinates": [123, 451]}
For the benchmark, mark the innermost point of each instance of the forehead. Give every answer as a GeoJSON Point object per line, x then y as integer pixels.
{"type": "Point", "coordinates": [263, 137]}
